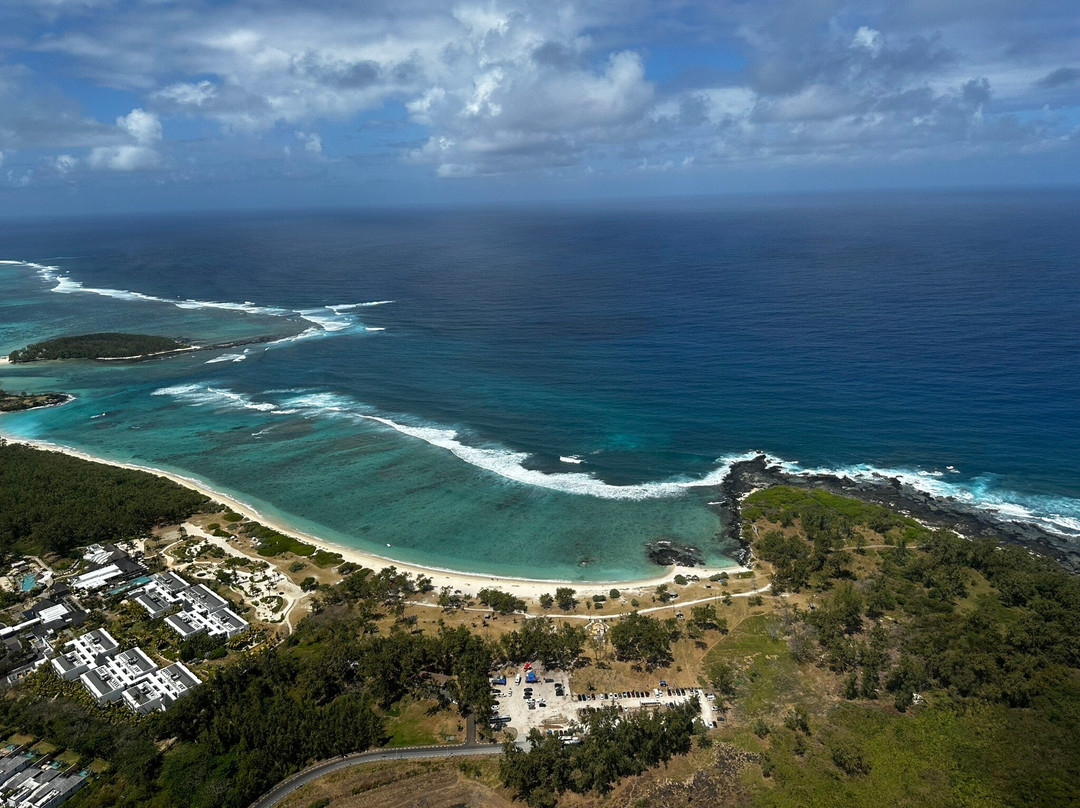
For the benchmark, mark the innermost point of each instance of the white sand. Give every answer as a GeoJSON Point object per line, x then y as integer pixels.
{"type": "Point", "coordinates": [468, 583]}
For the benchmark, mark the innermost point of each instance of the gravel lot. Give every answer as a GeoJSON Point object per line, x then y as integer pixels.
{"type": "Point", "coordinates": [553, 712]}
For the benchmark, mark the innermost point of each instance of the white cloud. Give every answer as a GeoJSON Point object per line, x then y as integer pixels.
{"type": "Point", "coordinates": [501, 86]}
{"type": "Point", "coordinates": [312, 142]}
{"type": "Point", "coordinates": [124, 158]}
{"type": "Point", "coordinates": [144, 126]}
{"type": "Point", "coordinates": [145, 129]}
{"type": "Point", "coordinates": [64, 164]}
{"type": "Point", "coordinates": [868, 39]}
{"type": "Point", "coordinates": [187, 94]}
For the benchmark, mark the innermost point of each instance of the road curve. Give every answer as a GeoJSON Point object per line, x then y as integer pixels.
{"type": "Point", "coordinates": [314, 772]}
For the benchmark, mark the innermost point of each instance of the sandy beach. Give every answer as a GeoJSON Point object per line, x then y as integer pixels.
{"type": "Point", "coordinates": [466, 582]}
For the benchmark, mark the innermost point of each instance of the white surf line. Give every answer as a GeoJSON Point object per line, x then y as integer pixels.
{"type": "Point", "coordinates": [324, 319]}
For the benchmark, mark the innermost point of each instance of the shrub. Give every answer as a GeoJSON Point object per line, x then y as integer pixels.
{"type": "Point", "coordinates": [848, 757]}
{"type": "Point", "coordinates": [614, 594]}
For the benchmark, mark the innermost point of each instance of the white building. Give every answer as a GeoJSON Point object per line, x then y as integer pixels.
{"type": "Point", "coordinates": [155, 604]}
{"type": "Point", "coordinates": [95, 579]}
{"type": "Point", "coordinates": [41, 787]}
{"type": "Point", "coordinates": [200, 598]}
{"type": "Point", "coordinates": [84, 653]}
{"type": "Point", "coordinates": [159, 689]}
{"type": "Point", "coordinates": [202, 609]}
{"type": "Point", "coordinates": [108, 681]}
{"type": "Point", "coordinates": [169, 582]}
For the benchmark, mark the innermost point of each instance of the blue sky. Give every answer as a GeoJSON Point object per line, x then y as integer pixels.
{"type": "Point", "coordinates": [152, 104]}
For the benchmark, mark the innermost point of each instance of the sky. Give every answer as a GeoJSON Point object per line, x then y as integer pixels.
{"type": "Point", "coordinates": [115, 105]}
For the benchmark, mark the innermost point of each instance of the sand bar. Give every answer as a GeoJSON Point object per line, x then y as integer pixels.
{"type": "Point", "coordinates": [468, 582]}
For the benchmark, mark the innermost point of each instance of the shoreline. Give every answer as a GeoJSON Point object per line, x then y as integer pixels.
{"type": "Point", "coordinates": [468, 582]}
{"type": "Point", "coordinates": [965, 519]}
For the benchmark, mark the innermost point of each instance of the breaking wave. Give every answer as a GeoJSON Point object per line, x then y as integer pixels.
{"type": "Point", "coordinates": [1059, 515]}
{"type": "Point", "coordinates": [324, 320]}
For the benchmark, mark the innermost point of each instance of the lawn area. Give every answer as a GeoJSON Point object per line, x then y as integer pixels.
{"type": "Point", "coordinates": [68, 757]}
{"type": "Point", "coordinates": [420, 723]}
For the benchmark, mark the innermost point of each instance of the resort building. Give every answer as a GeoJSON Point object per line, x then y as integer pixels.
{"type": "Point", "coordinates": [84, 653]}
{"type": "Point", "coordinates": [153, 601]}
{"type": "Point", "coordinates": [201, 599]}
{"type": "Point", "coordinates": [40, 787]}
{"type": "Point", "coordinates": [116, 572]}
{"type": "Point", "coordinates": [160, 688]}
{"type": "Point", "coordinates": [99, 554]}
{"type": "Point", "coordinates": [201, 609]}
{"type": "Point", "coordinates": [222, 622]}
{"type": "Point", "coordinates": [167, 584]}
{"type": "Point", "coordinates": [108, 681]}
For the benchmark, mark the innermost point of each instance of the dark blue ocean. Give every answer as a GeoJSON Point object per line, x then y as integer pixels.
{"type": "Point", "coordinates": [538, 391]}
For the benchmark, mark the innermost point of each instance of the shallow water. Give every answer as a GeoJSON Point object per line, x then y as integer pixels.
{"type": "Point", "coordinates": [929, 336]}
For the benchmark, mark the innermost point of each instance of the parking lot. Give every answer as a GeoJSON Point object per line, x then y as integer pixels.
{"type": "Point", "coordinates": [548, 704]}
{"type": "Point", "coordinates": [548, 709]}
{"type": "Point", "coordinates": [634, 700]}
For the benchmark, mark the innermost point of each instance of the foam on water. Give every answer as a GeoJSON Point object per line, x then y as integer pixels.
{"type": "Point", "coordinates": [325, 320]}
{"type": "Point", "coordinates": [1059, 515]}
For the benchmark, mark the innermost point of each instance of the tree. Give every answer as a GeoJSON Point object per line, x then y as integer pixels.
{"type": "Point", "coordinates": [641, 638]}
{"type": "Point", "coordinates": [450, 600]}
{"type": "Point", "coordinates": [502, 602]}
{"type": "Point", "coordinates": [704, 617]}
{"type": "Point", "coordinates": [546, 601]}
{"type": "Point", "coordinates": [721, 677]}
{"type": "Point", "coordinates": [564, 596]}
{"type": "Point", "coordinates": [614, 594]}
{"type": "Point", "coordinates": [663, 595]}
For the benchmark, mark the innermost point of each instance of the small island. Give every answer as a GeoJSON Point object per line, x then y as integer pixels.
{"type": "Point", "coordinates": [98, 346]}
{"type": "Point", "coordinates": [15, 402]}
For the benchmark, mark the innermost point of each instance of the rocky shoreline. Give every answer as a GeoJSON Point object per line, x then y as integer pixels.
{"type": "Point", "coordinates": [967, 520]}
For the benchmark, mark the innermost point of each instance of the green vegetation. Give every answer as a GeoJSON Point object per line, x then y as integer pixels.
{"type": "Point", "coordinates": [266, 714]}
{"type": "Point", "coordinates": [640, 638]}
{"type": "Point", "coordinates": [540, 640]}
{"type": "Point", "coordinates": [275, 543]}
{"type": "Point", "coordinates": [502, 602]}
{"type": "Point", "coordinates": [613, 746]}
{"type": "Point", "coordinates": [960, 661]}
{"type": "Point", "coordinates": [96, 346]}
{"type": "Point", "coordinates": [14, 402]}
{"type": "Point", "coordinates": [52, 503]}
{"type": "Point", "coordinates": [564, 597]}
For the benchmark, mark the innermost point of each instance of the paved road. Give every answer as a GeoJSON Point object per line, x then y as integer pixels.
{"type": "Point", "coordinates": [312, 773]}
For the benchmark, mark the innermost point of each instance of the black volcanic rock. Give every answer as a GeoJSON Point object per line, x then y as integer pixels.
{"type": "Point", "coordinates": [666, 553]}
{"type": "Point", "coordinates": [947, 512]}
